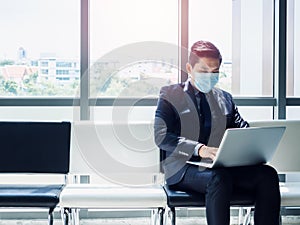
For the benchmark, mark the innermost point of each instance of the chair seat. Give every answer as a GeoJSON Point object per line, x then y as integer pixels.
{"type": "Point", "coordinates": [194, 199]}
{"type": "Point", "coordinates": [290, 193]}
{"type": "Point", "coordinates": [100, 196]}
{"type": "Point", "coordinates": [29, 195]}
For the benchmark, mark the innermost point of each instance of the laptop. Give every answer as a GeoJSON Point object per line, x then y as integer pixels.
{"type": "Point", "coordinates": [245, 147]}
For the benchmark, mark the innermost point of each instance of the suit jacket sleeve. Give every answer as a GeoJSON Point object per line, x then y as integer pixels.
{"type": "Point", "coordinates": [229, 108]}
{"type": "Point", "coordinates": [239, 122]}
{"type": "Point", "coordinates": [167, 127]}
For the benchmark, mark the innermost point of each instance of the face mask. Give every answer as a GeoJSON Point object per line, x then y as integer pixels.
{"type": "Point", "coordinates": [205, 81]}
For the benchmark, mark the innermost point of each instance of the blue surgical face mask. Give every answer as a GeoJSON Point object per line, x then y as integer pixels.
{"type": "Point", "coordinates": [205, 81]}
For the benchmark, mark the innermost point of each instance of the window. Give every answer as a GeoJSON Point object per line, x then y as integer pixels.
{"type": "Point", "coordinates": [62, 72]}
{"type": "Point", "coordinates": [64, 64]}
{"type": "Point", "coordinates": [63, 78]}
{"type": "Point", "coordinates": [245, 41]}
{"type": "Point", "coordinates": [39, 113]}
{"type": "Point", "coordinates": [139, 79]}
{"type": "Point", "coordinates": [211, 23]}
{"type": "Point", "coordinates": [134, 50]}
{"type": "Point", "coordinates": [35, 63]}
{"type": "Point", "coordinates": [31, 43]}
{"type": "Point", "coordinates": [255, 113]}
{"type": "Point", "coordinates": [293, 49]}
{"type": "Point", "coordinates": [293, 113]}
{"type": "Point", "coordinates": [44, 71]}
{"type": "Point", "coordinates": [44, 64]}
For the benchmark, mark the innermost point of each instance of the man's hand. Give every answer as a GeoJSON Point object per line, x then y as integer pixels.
{"type": "Point", "coordinates": [207, 152]}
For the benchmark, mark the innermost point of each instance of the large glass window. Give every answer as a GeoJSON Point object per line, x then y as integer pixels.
{"type": "Point", "coordinates": [293, 49]}
{"type": "Point", "coordinates": [36, 113]}
{"type": "Point", "coordinates": [34, 35]}
{"type": "Point", "coordinates": [293, 112]}
{"type": "Point", "coordinates": [297, 49]}
{"type": "Point", "coordinates": [245, 41]}
{"type": "Point", "coordinates": [134, 47]}
{"type": "Point", "coordinates": [256, 113]}
{"type": "Point", "coordinates": [214, 24]}
{"type": "Point", "coordinates": [253, 55]}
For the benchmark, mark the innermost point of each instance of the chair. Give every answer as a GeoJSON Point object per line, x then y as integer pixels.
{"type": "Point", "coordinates": [286, 161]}
{"type": "Point", "coordinates": [125, 186]}
{"type": "Point", "coordinates": [76, 197]}
{"type": "Point", "coordinates": [33, 148]}
{"type": "Point", "coordinates": [193, 199]}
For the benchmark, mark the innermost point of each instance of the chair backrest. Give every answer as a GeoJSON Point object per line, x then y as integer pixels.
{"type": "Point", "coordinates": [121, 152]}
{"type": "Point", "coordinates": [286, 158]}
{"type": "Point", "coordinates": [35, 147]}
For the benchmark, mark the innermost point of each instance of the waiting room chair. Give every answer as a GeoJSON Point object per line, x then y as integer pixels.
{"type": "Point", "coordinates": [176, 199]}
{"type": "Point", "coordinates": [33, 148]}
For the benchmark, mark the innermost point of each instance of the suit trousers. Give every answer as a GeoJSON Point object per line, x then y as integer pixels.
{"type": "Point", "coordinates": [218, 184]}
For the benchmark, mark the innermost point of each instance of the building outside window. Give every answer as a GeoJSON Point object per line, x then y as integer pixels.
{"type": "Point", "coordinates": [30, 44]}
{"type": "Point", "coordinates": [138, 52]}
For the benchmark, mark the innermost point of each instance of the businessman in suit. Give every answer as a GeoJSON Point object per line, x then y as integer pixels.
{"type": "Point", "coordinates": [190, 121]}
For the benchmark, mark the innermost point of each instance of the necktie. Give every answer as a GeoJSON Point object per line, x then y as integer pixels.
{"type": "Point", "coordinates": [205, 119]}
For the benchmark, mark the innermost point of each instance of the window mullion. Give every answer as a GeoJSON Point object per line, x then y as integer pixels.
{"type": "Point", "coordinates": [84, 61]}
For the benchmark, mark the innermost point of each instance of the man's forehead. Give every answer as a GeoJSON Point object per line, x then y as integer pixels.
{"type": "Point", "coordinates": [208, 64]}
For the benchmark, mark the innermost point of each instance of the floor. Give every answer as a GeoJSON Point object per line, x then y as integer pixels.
{"type": "Point", "coordinates": [287, 220]}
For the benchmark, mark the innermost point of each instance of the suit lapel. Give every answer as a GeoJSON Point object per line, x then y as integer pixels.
{"type": "Point", "coordinates": [190, 95]}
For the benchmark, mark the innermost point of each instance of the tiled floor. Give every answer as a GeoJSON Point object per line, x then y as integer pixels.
{"type": "Point", "coordinates": [287, 220]}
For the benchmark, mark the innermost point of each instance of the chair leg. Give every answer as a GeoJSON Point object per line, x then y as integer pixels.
{"type": "Point", "coordinates": [161, 216]}
{"type": "Point", "coordinates": [50, 216]}
{"type": "Point", "coordinates": [74, 216]}
{"type": "Point", "coordinates": [247, 217]}
{"type": "Point", "coordinates": [241, 215]}
{"type": "Point", "coordinates": [72, 219]}
{"type": "Point", "coordinates": [157, 216]}
{"type": "Point", "coordinates": [166, 216]}
{"type": "Point", "coordinates": [173, 216]}
{"type": "Point", "coordinates": [154, 215]}
{"type": "Point", "coordinates": [280, 219]}
{"type": "Point", "coordinates": [65, 214]}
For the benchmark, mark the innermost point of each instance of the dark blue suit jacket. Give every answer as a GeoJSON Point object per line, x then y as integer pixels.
{"type": "Point", "coordinates": [177, 125]}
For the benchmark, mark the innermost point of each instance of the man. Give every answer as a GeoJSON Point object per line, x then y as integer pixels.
{"type": "Point", "coordinates": [190, 121]}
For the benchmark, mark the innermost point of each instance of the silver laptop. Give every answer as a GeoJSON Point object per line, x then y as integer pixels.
{"type": "Point", "coordinates": [245, 146]}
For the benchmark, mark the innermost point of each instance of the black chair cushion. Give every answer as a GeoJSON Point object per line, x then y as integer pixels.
{"type": "Point", "coordinates": [194, 199]}
{"type": "Point", "coordinates": [30, 195]}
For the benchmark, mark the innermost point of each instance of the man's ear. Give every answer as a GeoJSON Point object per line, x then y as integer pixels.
{"type": "Point", "coordinates": [189, 68]}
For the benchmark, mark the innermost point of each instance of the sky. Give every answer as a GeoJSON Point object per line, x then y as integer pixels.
{"type": "Point", "coordinates": [41, 26]}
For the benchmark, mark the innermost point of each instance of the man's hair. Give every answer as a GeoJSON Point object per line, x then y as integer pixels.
{"type": "Point", "coordinates": [203, 49]}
